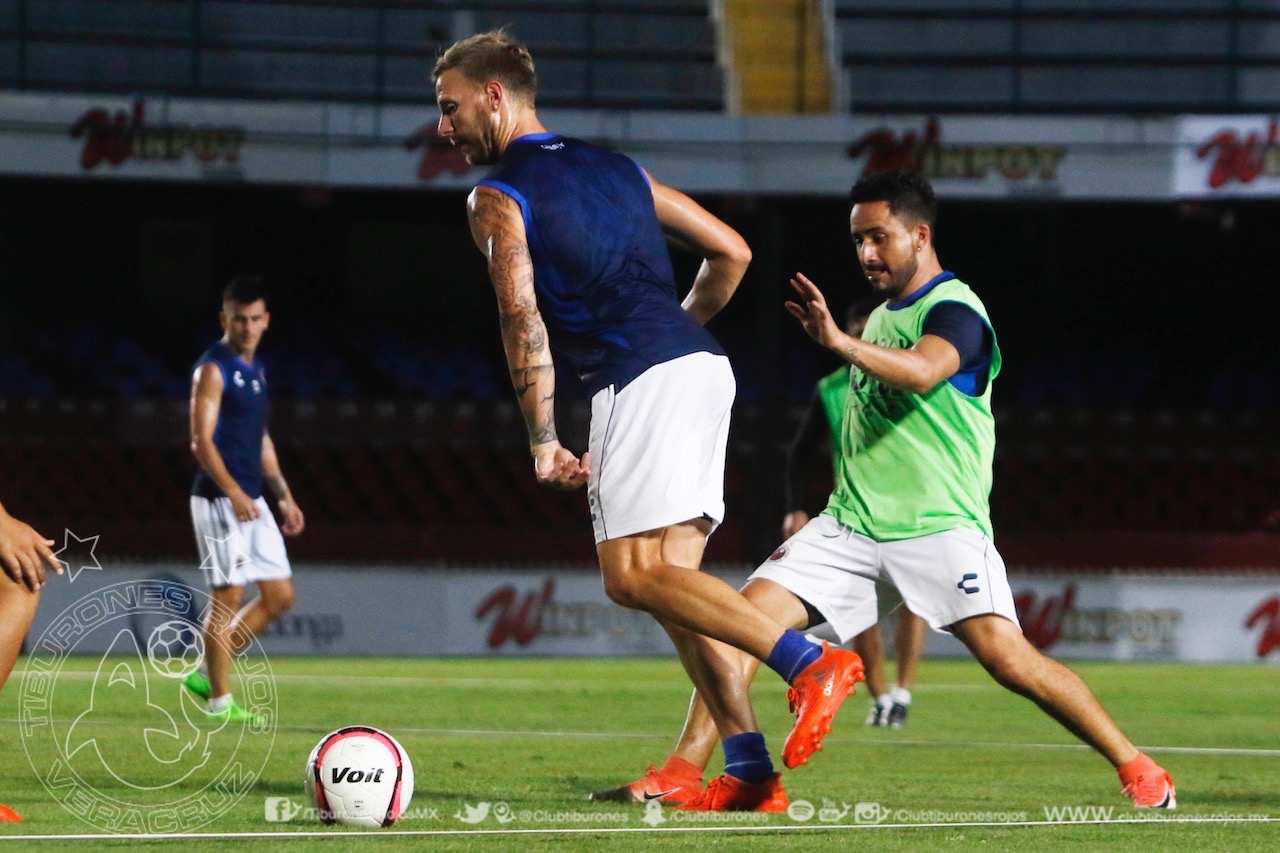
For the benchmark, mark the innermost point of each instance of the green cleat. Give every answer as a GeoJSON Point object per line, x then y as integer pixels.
{"type": "Point", "coordinates": [233, 713]}
{"type": "Point", "coordinates": [198, 684]}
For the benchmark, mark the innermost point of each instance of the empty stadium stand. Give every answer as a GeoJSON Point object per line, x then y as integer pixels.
{"type": "Point", "coordinates": [932, 56]}
{"type": "Point", "coordinates": [403, 445]}
{"type": "Point", "coordinates": [654, 54]}
{"type": "Point", "coordinates": [1049, 56]}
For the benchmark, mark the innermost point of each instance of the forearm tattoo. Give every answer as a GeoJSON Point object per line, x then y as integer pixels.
{"type": "Point", "coordinates": [537, 403]}
{"type": "Point", "coordinates": [494, 220]}
{"type": "Point", "coordinates": [850, 351]}
{"type": "Point", "coordinates": [524, 328]}
{"type": "Point", "coordinates": [278, 486]}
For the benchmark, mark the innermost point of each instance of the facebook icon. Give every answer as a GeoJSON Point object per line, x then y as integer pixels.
{"type": "Point", "coordinates": [280, 809]}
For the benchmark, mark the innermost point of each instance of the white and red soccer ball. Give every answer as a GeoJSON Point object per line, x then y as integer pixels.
{"type": "Point", "coordinates": [359, 776]}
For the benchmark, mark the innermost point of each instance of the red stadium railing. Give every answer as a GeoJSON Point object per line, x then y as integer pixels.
{"type": "Point", "coordinates": [1071, 489]}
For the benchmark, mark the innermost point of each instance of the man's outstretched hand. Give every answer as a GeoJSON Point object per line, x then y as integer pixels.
{"type": "Point", "coordinates": [556, 467]}
{"type": "Point", "coordinates": [811, 310]}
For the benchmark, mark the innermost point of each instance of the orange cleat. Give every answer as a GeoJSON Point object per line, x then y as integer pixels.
{"type": "Point", "coordinates": [730, 794]}
{"type": "Point", "coordinates": [1147, 784]}
{"type": "Point", "coordinates": [814, 698]}
{"type": "Point", "coordinates": [653, 785]}
{"type": "Point", "coordinates": [8, 815]}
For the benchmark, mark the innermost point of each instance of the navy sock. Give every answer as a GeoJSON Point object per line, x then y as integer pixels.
{"type": "Point", "coordinates": [747, 758]}
{"type": "Point", "coordinates": [792, 654]}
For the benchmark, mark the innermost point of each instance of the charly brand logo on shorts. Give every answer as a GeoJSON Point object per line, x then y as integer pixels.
{"type": "Point", "coordinates": [110, 730]}
{"type": "Point", "coordinates": [780, 553]}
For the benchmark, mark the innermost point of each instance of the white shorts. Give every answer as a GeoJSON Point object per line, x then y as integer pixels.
{"type": "Point", "coordinates": [658, 447]}
{"type": "Point", "coordinates": [943, 577]}
{"type": "Point", "coordinates": [233, 552]}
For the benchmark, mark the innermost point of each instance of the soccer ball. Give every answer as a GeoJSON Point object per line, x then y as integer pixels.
{"type": "Point", "coordinates": [359, 776]}
{"type": "Point", "coordinates": [175, 649]}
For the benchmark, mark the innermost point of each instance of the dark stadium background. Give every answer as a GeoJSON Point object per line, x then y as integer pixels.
{"type": "Point", "coordinates": [1138, 406]}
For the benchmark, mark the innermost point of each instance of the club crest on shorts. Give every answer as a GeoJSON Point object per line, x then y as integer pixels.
{"type": "Point", "coordinates": [782, 551]}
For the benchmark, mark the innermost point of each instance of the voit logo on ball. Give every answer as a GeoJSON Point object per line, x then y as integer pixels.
{"type": "Point", "coordinates": [111, 731]}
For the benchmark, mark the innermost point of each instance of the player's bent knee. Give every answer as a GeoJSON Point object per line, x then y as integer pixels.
{"type": "Point", "coordinates": [1003, 670]}
{"type": "Point", "coordinates": [278, 603]}
{"type": "Point", "coordinates": [1015, 667]}
{"type": "Point", "coordinates": [620, 590]}
{"type": "Point", "coordinates": [627, 587]}
{"type": "Point", "coordinates": [224, 608]}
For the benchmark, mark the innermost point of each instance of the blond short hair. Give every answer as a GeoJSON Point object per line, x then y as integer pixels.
{"type": "Point", "coordinates": [494, 55]}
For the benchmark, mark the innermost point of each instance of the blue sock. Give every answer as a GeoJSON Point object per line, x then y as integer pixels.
{"type": "Point", "coordinates": [747, 758]}
{"type": "Point", "coordinates": [792, 654]}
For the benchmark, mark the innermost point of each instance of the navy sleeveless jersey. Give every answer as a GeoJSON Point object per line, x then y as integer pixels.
{"type": "Point", "coordinates": [242, 420]}
{"type": "Point", "coordinates": [601, 270]}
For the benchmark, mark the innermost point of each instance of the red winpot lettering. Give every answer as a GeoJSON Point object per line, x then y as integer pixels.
{"type": "Point", "coordinates": [1267, 615]}
{"type": "Point", "coordinates": [1237, 159]}
{"type": "Point", "coordinates": [1042, 623]}
{"type": "Point", "coordinates": [520, 621]}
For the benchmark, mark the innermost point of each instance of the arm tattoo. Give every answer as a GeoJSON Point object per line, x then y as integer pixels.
{"type": "Point", "coordinates": [278, 486]}
{"type": "Point", "coordinates": [538, 406]}
{"type": "Point", "coordinates": [851, 351]}
{"type": "Point", "coordinates": [525, 328]}
{"type": "Point", "coordinates": [510, 266]}
{"type": "Point", "coordinates": [496, 226]}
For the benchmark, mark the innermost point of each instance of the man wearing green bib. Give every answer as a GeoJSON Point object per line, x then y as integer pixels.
{"type": "Point", "coordinates": [823, 425]}
{"type": "Point", "coordinates": [910, 506]}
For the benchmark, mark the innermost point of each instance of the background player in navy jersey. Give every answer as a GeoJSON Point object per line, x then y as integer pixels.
{"type": "Point", "coordinates": [573, 236]}
{"type": "Point", "coordinates": [24, 553]}
{"type": "Point", "coordinates": [236, 534]}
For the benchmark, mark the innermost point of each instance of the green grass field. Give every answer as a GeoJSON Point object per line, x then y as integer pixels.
{"type": "Point", "coordinates": [538, 735]}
